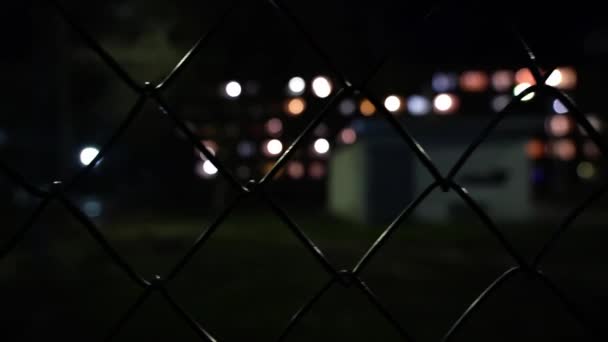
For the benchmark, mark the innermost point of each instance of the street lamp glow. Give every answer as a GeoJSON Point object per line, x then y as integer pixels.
{"type": "Point", "coordinates": [392, 103]}
{"type": "Point", "coordinates": [233, 89]}
{"type": "Point", "coordinates": [296, 85]}
{"type": "Point", "coordinates": [321, 146]}
{"type": "Point", "coordinates": [321, 87]}
{"type": "Point", "coordinates": [87, 155]}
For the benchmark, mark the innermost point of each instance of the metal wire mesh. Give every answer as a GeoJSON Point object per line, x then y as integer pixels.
{"type": "Point", "coordinates": [258, 189]}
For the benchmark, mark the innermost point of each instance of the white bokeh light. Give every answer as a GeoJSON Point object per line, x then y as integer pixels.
{"type": "Point", "coordinates": [295, 170]}
{"type": "Point", "coordinates": [274, 147]}
{"type": "Point", "coordinates": [209, 168]}
{"type": "Point", "coordinates": [87, 155]}
{"type": "Point", "coordinates": [520, 88]}
{"type": "Point", "coordinates": [296, 85]}
{"type": "Point", "coordinates": [233, 89]}
{"type": "Point", "coordinates": [392, 103]}
{"type": "Point", "coordinates": [321, 146]}
{"type": "Point", "coordinates": [555, 78]}
{"type": "Point", "coordinates": [444, 103]}
{"type": "Point", "coordinates": [321, 87]}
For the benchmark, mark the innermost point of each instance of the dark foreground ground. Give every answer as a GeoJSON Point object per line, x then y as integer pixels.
{"type": "Point", "coordinates": [253, 275]}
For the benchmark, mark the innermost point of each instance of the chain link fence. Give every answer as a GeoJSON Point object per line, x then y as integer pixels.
{"type": "Point", "coordinates": [338, 277]}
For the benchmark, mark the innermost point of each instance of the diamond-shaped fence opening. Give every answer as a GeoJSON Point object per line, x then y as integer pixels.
{"type": "Point", "coordinates": [220, 224]}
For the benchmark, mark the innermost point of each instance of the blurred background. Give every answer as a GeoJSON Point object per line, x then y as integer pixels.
{"type": "Point", "coordinates": [443, 70]}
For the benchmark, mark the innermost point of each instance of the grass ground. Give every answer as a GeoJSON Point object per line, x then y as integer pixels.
{"type": "Point", "coordinates": [252, 275]}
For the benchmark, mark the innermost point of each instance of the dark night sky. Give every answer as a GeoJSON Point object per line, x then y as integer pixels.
{"type": "Point", "coordinates": [457, 32]}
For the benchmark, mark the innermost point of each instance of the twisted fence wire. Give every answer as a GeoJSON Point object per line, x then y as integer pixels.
{"type": "Point", "coordinates": [345, 277]}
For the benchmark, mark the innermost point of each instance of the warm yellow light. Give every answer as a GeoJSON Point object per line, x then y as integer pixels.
{"type": "Point", "coordinates": [296, 106]}
{"type": "Point", "coordinates": [367, 108]}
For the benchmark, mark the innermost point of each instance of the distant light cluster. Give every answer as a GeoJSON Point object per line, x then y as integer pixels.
{"type": "Point", "coordinates": [443, 84]}
{"type": "Point", "coordinates": [446, 94]}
